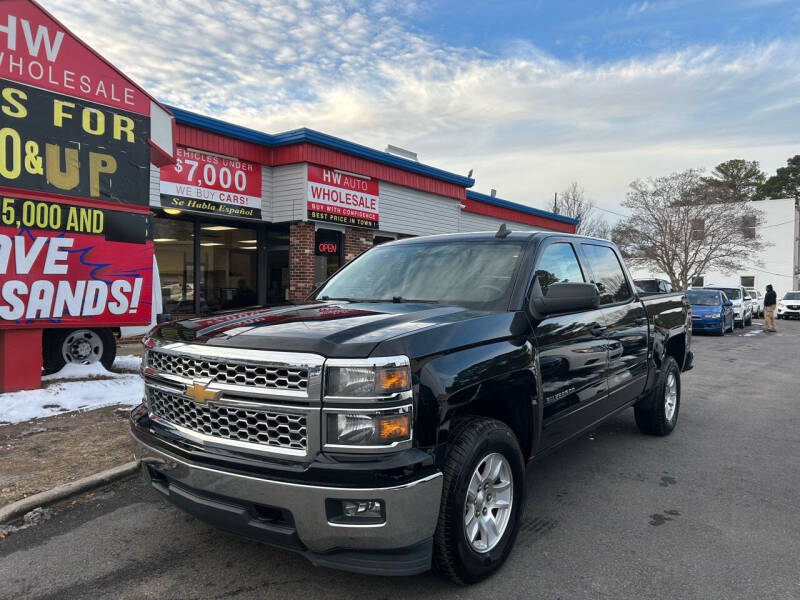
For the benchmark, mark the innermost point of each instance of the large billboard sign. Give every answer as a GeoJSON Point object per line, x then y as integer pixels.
{"type": "Point", "coordinates": [336, 196]}
{"type": "Point", "coordinates": [61, 145]}
{"type": "Point", "coordinates": [63, 265]}
{"type": "Point", "coordinates": [208, 183]}
{"type": "Point", "coordinates": [76, 141]}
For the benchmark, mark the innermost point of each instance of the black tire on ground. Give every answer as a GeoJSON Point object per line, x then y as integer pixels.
{"type": "Point", "coordinates": [473, 440]}
{"type": "Point", "coordinates": [722, 329]}
{"type": "Point", "coordinates": [749, 321]}
{"type": "Point", "coordinates": [651, 416]}
{"type": "Point", "coordinates": [52, 356]}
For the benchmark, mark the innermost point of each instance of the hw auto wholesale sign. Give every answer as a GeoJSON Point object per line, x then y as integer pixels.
{"type": "Point", "coordinates": [74, 178]}
{"type": "Point", "coordinates": [338, 197]}
{"type": "Point", "coordinates": [212, 184]}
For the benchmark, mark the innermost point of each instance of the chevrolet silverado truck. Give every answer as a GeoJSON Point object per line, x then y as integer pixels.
{"type": "Point", "coordinates": [385, 425]}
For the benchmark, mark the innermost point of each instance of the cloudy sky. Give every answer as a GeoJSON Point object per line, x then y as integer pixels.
{"type": "Point", "coordinates": [531, 95]}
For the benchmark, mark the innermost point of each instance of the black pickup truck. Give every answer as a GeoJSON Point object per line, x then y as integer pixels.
{"type": "Point", "coordinates": [384, 426]}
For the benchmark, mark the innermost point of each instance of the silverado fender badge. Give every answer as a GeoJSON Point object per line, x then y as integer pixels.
{"type": "Point", "coordinates": [198, 392]}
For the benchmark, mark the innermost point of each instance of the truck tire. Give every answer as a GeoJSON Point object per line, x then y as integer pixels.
{"type": "Point", "coordinates": [483, 496]}
{"type": "Point", "coordinates": [77, 346]}
{"type": "Point", "coordinates": [658, 414]}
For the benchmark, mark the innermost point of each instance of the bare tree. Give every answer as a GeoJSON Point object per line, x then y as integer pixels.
{"type": "Point", "coordinates": [674, 229]}
{"type": "Point", "coordinates": [572, 202]}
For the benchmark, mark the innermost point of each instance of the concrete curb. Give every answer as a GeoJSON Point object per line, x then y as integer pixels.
{"type": "Point", "coordinates": [20, 507]}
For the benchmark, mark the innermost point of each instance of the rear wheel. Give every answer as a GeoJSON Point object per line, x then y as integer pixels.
{"type": "Point", "coordinates": [658, 414]}
{"type": "Point", "coordinates": [483, 496]}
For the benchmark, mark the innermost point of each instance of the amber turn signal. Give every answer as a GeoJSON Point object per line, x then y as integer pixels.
{"type": "Point", "coordinates": [392, 380]}
{"type": "Point", "coordinates": [393, 428]}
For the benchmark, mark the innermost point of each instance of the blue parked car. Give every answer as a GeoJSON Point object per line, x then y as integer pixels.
{"type": "Point", "coordinates": [711, 311]}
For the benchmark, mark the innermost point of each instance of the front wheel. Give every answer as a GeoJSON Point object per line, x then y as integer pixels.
{"type": "Point", "coordinates": [483, 495]}
{"type": "Point", "coordinates": [658, 414]}
{"type": "Point", "coordinates": [78, 346]}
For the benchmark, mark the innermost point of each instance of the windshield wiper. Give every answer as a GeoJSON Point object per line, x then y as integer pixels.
{"type": "Point", "coordinates": [399, 299]}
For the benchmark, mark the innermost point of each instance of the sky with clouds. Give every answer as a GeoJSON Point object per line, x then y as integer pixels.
{"type": "Point", "coordinates": [529, 94]}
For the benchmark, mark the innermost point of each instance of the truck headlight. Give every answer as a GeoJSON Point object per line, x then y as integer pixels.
{"type": "Point", "coordinates": [368, 427]}
{"type": "Point", "coordinates": [367, 404]}
{"type": "Point", "coordinates": [371, 378]}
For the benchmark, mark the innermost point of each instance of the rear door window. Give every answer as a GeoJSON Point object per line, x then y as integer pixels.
{"type": "Point", "coordinates": [608, 274]}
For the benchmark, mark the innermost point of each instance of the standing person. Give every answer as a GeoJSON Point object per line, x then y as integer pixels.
{"type": "Point", "coordinates": [770, 300]}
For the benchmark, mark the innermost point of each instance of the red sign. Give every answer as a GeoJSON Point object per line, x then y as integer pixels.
{"type": "Point", "coordinates": [209, 183]}
{"type": "Point", "coordinates": [336, 196]}
{"type": "Point", "coordinates": [36, 50]}
{"type": "Point", "coordinates": [63, 265]}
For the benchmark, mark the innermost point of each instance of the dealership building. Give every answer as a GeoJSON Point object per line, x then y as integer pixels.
{"type": "Point", "coordinates": [246, 217]}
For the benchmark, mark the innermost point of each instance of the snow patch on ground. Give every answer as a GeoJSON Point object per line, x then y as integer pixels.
{"type": "Point", "coordinates": [128, 362]}
{"type": "Point", "coordinates": [72, 371]}
{"type": "Point", "coordinates": [75, 387]}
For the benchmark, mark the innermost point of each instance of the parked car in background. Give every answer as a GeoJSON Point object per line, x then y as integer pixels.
{"type": "Point", "coordinates": [654, 286]}
{"type": "Point", "coordinates": [758, 303]}
{"type": "Point", "coordinates": [742, 306]}
{"type": "Point", "coordinates": [789, 305]}
{"type": "Point", "coordinates": [711, 311]}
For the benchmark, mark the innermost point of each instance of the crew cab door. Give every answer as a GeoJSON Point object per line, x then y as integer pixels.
{"type": "Point", "coordinates": [571, 347]}
{"type": "Point", "coordinates": [625, 319]}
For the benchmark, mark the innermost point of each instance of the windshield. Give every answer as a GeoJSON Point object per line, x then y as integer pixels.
{"type": "Point", "coordinates": [473, 274]}
{"type": "Point", "coordinates": [792, 296]}
{"type": "Point", "coordinates": [731, 293]}
{"type": "Point", "coordinates": [703, 298]}
{"type": "Point", "coordinates": [648, 285]}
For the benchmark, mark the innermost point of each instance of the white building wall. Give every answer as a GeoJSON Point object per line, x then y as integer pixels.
{"type": "Point", "coordinates": [777, 263]}
{"type": "Point", "coordinates": [289, 183]}
{"type": "Point", "coordinates": [155, 182]}
{"type": "Point", "coordinates": [403, 210]}
{"type": "Point", "coordinates": [266, 193]}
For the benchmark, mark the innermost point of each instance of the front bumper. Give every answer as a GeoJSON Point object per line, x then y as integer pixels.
{"type": "Point", "coordinates": [788, 312]}
{"type": "Point", "coordinates": [294, 516]}
{"type": "Point", "coordinates": [706, 324]}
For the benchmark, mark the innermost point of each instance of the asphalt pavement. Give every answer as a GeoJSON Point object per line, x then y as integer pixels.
{"type": "Point", "coordinates": [708, 512]}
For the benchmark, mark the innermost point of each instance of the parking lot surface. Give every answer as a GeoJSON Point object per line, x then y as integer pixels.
{"type": "Point", "coordinates": [708, 512]}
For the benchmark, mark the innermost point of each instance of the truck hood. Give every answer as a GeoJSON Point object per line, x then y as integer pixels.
{"type": "Point", "coordinates": [342, 329]}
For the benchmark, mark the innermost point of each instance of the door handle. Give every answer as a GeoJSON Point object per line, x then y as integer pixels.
{"type": "Point", "coordinates": [597, 330]}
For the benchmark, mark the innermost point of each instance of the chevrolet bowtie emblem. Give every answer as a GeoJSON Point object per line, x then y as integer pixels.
{"type": "Point", "coordinates": [198, 392]}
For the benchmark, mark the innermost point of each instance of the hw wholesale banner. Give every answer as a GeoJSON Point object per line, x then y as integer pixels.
{"type": "Point", "coordinates": [70, 266]}
{"type": "Point", "coordinates": [339, 197]}
{"type": "Point", "coordinates": [212, 184]}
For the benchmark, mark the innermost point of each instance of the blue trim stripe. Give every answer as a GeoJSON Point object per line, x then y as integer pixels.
{"type": "Point", "coordinates": [295, 136]}
{"type": "Point", "coordinates": [519, 207]}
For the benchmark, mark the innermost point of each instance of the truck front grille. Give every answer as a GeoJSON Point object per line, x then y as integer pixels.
{"type": "Point", "coordinates": [234, 373]}
{"type": "Point", "coordinates": [270, 428]}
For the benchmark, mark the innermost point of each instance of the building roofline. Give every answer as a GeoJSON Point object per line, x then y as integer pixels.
{"type": "Point", "coordinates": [494, 201]}
{"type": "Point", "coordinates": [296, 136]}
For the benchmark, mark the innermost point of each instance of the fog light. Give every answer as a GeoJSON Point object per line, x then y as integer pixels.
{"type": "Point", "coordinates": [355, 512]}
{"type": "Point", "coordinates": [361, 508]}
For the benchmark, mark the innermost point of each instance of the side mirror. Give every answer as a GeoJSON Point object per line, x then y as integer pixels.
{"type": "Point", "coordinates": [728, 303]}
{"type": "Point", "coordinates": [163, 317]}
{"type": "Point", "coordinates": [564, 297]}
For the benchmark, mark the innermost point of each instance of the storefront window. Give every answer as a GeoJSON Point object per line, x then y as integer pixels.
{"type": "Point", "coordinates": [228, 261]}
{"type": "Point", "coordinates": [174, 248]}
{"type": "Point", "coordinates": [278, 266]}
{"type": "Point", "coordinates": [327, 254]}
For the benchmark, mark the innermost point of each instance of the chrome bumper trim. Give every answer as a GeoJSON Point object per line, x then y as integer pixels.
{"type": "Point", "coordinates": [412, 509]}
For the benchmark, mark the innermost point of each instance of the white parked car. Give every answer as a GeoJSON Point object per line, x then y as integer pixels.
{"type": "Point", "coordinates": [742, 304]}
{"type": "Point", "coordinates": [789, 305]}
{"type": "Point", "coordinates": [758, 303]}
